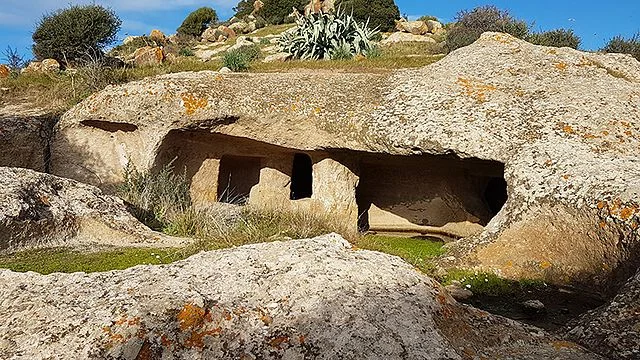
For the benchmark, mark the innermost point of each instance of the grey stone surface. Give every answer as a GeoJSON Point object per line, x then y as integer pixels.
{"type": "Point", "coordinates": [613, 330]}
{"type": "Point", "coordinates": [44, 210]}
{"type": "Point", "coordinates": [565, 123]}
{"type": "Point", "coordinates": [313, 299]}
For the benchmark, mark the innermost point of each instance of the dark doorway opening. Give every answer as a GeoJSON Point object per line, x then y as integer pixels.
{"type": "Point", "coordinates": [301, 177]}
{"type": "Point", "coordinates": [495, 195]}
{"type": "Point", "coordinates": [236, 177]}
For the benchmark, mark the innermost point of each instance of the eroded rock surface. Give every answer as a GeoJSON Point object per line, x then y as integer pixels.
{"type": "Point", "coordinates": [316, 298]}
{"type": "Point", "coordinates": [44, 210]}
{"type": "Point", "coordinates": [565, 123]}
{"type": "Point", "coordinates": [25, 134]}
{"type": "Point", "coordinates": [614, 329]}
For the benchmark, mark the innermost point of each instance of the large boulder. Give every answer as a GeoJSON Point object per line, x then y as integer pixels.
{"type": "Point", "coordinates": [613, 330]}
{"type": "Point", "coordinates": [25, 133]}
{"type": "Point", "coordinates": [316, 298]}
{"type": "Point", "coordinates": [148, 56]}
{"type": "Point", "coordinates": [564, 123]}
{"type": "Point", "coordinates": [413, 27]}
{"type": "Point", "coordinates": [158, 36]}
{"type": "Point", "coordinates": [43, 210]}
{"type": "Point", "coordinates": [400, 37]}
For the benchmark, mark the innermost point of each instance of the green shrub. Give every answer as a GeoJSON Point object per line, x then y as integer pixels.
{"type": "Point", "coordinates": [428, 17]}
{"type": "Point", "coordinates": [197, 22]}
{"type": "Point", "coordinates": [186, 52]}
{"type": "Point", "coordinates": [240, 59]}
{"type": "Point", "coordinates": [374, 52]}
{"type": "Point", "coordinates": [380, 14]}
{"type": "Point", "coordinates": [323, 36]}
{"type": "Point", "coordinates": [275, 12]}
{"type": "Point", "coordinates": [244, 8]}
{"type": "Point", "coordinates": [624, 46]}
{"type": "Point", "coordinates": [557, 38]}
{"type": "Point", "coordinates": [470, 24]}
{"type": "Point", "coordinates": [127, 49]}
{"type": "Point", "coordinates": [260, 22]}
{"type": "Point", "coordinates": [70, 34]}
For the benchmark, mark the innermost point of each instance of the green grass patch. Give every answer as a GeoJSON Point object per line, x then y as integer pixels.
{"type": "Point", "coordinates": [48, 261]}
{"type": "Point", "coordinates": [418, 252]}
{"type": "Point", "coordinates": [490, 284]}
{"type": "Point", "coordinates": [271, 30]}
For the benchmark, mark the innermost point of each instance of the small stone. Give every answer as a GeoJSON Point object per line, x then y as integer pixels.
{"type": "Point", "coordinates": [534, 307]}
{"type": "Point", "coordinates": [225, 70]}
{"type": "Point", "coordinates": [459, 293]}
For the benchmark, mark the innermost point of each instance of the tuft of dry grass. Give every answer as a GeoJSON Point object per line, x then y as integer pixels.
{"type": "Point", "coordinates": [59, 92]}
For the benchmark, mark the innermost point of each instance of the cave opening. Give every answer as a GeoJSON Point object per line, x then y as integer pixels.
{"type": "Point", "coordinates": [301, 177]}
{"type": "Point", "coordinates": [236, 177]}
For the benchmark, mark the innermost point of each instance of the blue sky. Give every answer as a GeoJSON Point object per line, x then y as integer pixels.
{"type": "Point", "coordinates": [594, 21]}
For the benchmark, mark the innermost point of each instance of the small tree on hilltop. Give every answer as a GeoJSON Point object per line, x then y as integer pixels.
{"type": "Point", "coordinates": [244, 8]}
{"type": "Point", "coordinates": [197, 22]}
{"type": "Point", "coordinates": [557, 38]}
{"type": "Point", "coordinates": [470, 24]}
{"type": "Point", "coordinates": [68, 35]}
{"type": "Point", "coordinates": [381, 14]}
{"type": "Point", "coordinates": [624, 46]}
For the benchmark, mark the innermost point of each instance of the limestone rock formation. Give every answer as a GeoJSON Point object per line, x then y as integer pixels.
{"type": "Point", "coordinates": [413, 27]}
{"type": "Point", "coordinates": [44, 66]}
{"type": "Point", "coordinates": [614, 329]}
{"type": "Point", "coordinates": [560, 126]}
{"type": "Point", "coordinates": [316, 6]}
{"type": "Point", "coordinates": [399, 37]}
{"type": "Point", "coordinates": [25, 133]}
{"type": "Point", "coordinates": [148, 56]}
{"type": "Point", "coordinates": [44, 210]}
{"type": "Point", "coordinates": [314, 298]}
{"type": "Point", "coordinates": [157, 36]}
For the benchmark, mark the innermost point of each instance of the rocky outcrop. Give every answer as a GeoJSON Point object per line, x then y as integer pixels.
{"type": "Point", "coordinates": [25, 133]}
{"type": "Point", "coordinates": [44, 210]}
{"type": "Point", "coordinates": [148, 56]}
{"type": "Point", "coordinates": [44, 66]}
{"type": "Point", "coordinates": [316, 298]}
{"type": "Point", "coordinates": [614, 329]}
{"type": "Point", "coordinates": [567, 140]}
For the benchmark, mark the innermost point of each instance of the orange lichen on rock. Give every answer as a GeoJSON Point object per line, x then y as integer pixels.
{"type": "Point", "coordinates": [560, 344]}
{"type": "Point", "coordinates": [562, 66]}
{"type": "Point", "coordinates": [475, 89]}
{"type": "Point", "coordinates": [568, 129]}
{"type": "Point", "coordinates": [545, 264]}
{"type": "Point", "coordinates": [192, 316]}
{"type": "Point", "coordinates": [196, 340]}
{"type": "Point", "coordinates": [192, 104]}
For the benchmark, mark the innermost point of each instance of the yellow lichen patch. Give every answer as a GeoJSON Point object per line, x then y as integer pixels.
{"type": "Point", "coordinates": [503, 39]}
{"type": "Point", "coordinates": [475, 89]}
{"type": "Point", "coordinates": [603, 224]}
{"type": "Point", "coordinates": [562, 66]}
{"type": "Point", "coordinates": [192, 316]}
{"type": "Point", "coordinates": [559, 345]}
{"type": "Point", "coordinates": [545, 265]}
{"type": "Point", "coordinates": [568, 129]}
{"type": "Point", "coordinates": [191, 103]}
{"type": "Point", "coordinates": [552, 52]}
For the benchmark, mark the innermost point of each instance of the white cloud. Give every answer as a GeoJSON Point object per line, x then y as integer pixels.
{"type": "Point", "coordinates": [25, 13]}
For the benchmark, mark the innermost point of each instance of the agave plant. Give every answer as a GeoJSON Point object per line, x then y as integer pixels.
{"type": "Point", "coordinates": [328, 36]}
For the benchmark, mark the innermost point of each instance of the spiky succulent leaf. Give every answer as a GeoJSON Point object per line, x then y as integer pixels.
{"type": "Point", "coordinates": [326, 36]}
